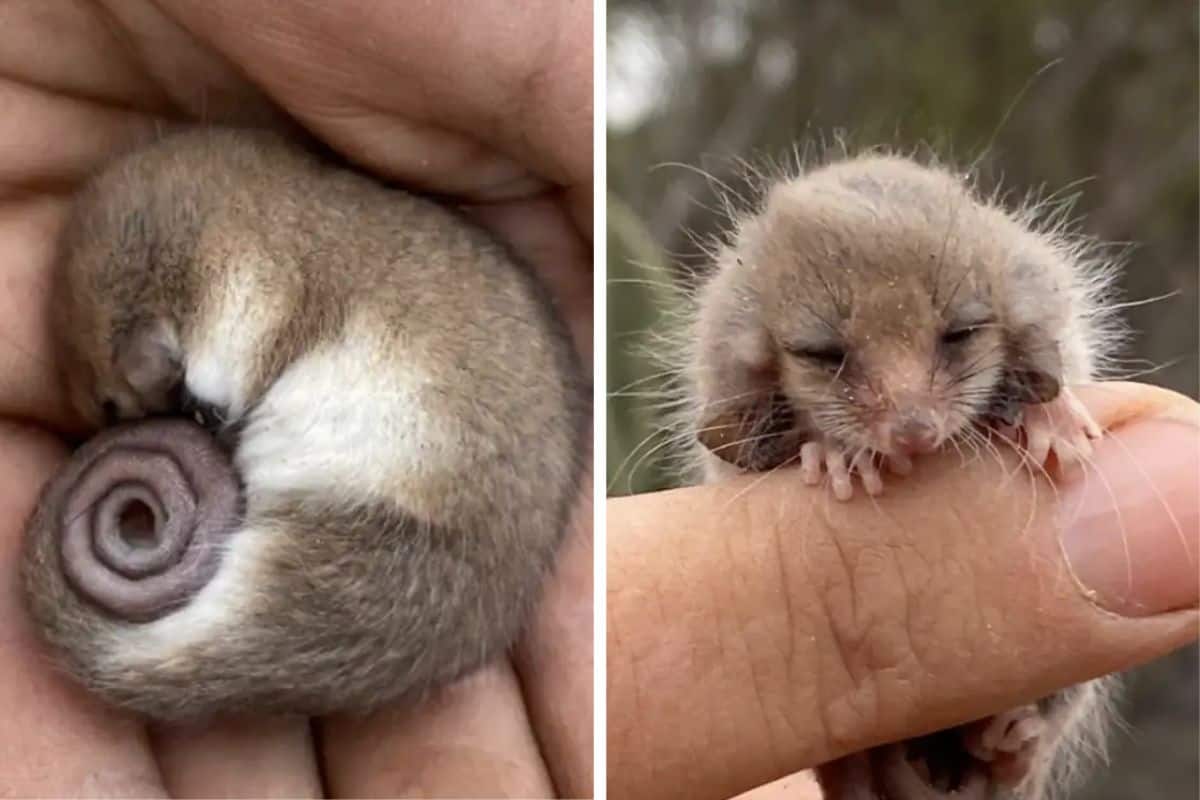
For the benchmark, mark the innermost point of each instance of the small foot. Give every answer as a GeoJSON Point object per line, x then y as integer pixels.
{"type": "Point", "coordinates": [1007, 743]}
{"type": "Point", "coordinates": [1062, 426]}
{"type": "Point", "coordinates": [820, 458]}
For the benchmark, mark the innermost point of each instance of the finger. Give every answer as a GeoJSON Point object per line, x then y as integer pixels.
{"type": "Point", "coordinates": [29, 382]}
{"type": "Point", "coordinates": [113, 56]}
{"type": "Point", "coordinates": [554, 661]}
{"type": "Point", "coordinates": [798, 786]}
{"type": "Point", "coordinates": [57, 741]}
{"type": "Point", "coordinates": [32, 162]}
{"type": "Point", "coordinates": [373, 80]}
{"type": "Point", "coordinates": [826, 628]}
{"type": "Point", "coordinates": [471, 739]}
{"type": "Point", "coordinates": [238, 757]}
{"type": "Point", "coordinates": [540, 233]}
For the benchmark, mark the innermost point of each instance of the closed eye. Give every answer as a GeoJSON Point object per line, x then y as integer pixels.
{"type": "Point", "coordinates": [828, 356]}
{"type": "Point", "coordinates": [963, 333]}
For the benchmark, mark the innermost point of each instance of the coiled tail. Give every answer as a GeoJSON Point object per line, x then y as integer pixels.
{"type": "Point", "coordinates": [139, 515]}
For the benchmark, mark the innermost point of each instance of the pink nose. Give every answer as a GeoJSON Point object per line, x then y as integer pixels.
{"type": "Point", "coordinates": [915, 435]}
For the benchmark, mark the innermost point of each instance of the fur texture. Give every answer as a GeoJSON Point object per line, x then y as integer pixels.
{"type": "Point", "coordinates": [870, 287]}
{"type": "Point", "coordinates": [402, 407]}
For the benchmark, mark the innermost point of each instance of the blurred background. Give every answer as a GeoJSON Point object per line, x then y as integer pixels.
{"type": "Point", "coordinates": [1113, 116]}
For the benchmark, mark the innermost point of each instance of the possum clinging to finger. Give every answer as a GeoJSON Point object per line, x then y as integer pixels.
{"type": "Point", "coordinates": [346, 430]}
{"type": "Point", "coordinates": [874, 309]}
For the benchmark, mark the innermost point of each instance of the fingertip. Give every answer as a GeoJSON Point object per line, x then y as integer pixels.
{"type": "Point", "coordinates": [469, 739]}
{"type": "Point", "coordinates": [1131, 520]}
{"type": "Point", "coordinates": [238, 756]}
{"type": "Point", "coordinates": [554, 660]}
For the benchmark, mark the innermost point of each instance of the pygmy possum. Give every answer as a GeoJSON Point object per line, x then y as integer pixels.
{"type": "Point", "coordinates": [872, 309]}
{"type": "Point", "coordinates": [340, 434]}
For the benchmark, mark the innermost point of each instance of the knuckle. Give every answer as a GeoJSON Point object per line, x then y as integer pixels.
{"type": "Point", "coordinates": [880, 625]}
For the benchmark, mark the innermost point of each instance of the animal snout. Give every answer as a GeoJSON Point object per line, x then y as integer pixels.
{"type": "Point", "coordinates": [914, 433]}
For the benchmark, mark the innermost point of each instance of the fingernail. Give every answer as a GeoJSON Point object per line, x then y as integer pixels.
{"type": "Point", "coordinates": [503, 179]}
{"type": "Point", "coordinates": [1130, 518]}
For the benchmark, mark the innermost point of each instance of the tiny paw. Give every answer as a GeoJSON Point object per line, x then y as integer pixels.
{"type": "Point", "coordinates": [1007, 742]}
{"type": "Point", "coordinates": [1062, 426]}
{"type": "Point", "coordinates": [818, 458]}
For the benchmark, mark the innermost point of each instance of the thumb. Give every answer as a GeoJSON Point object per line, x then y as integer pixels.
{"type": "Point", "coordinates": [757, 627]}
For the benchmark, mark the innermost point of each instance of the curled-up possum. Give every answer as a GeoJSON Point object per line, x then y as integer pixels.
{"type": "Point", "coordinates": [344, 435]}
{"type": "Point", "coordinates": [874, 309]}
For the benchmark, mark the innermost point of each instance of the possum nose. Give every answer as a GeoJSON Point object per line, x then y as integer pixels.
{"type": "Point", "coordinates": [915, 434]}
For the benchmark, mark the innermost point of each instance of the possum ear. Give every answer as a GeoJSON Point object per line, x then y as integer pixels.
{"type": "Point", "coordinates": [150, 360]}
{"type": "Point", "coordinates": [1035, 367]}
{"type": "Point", "coordinates": [757, 435]}
{"type": "Point", "coordinates": [755, 428]}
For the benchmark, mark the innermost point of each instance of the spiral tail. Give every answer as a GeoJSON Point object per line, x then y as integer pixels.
{"type": "Point", "coordinates": [163, 595]}
{"type": "Point", "coordinates": [129, 530]}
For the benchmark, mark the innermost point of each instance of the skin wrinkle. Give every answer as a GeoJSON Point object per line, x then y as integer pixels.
{"type": "Point", "coordinates": [531, 88]}
{"type": "Point", "coordinates": [719, 601]}
{"type": "Point", "coordinates": [827, 705]}
{"type": "Point", "coordinates": [145, 28]}
{"type": "Point", "coordinates": [745, 626]}
{"type": "Point", "coordinates": [734, 626]}
{"type": "Point", "coordinates": [910, 629]}
{"type": "Point", "coordinates": [271, 74]}
{"type": "Point", "coordinates": [131, 783]}
{"type": "Point", "coordinates": [657, 598]}
{"type": "Point", "coordinates": [635, 672]}
{"type": "Point", "coordinates": [129, 47]}
{"type": "Point", "coordinates": [817, 679]}
{"type": "Point", "coordinates": [790, 619]}
{"type": "Point", "coordinates": [100, 89]}
{"type": "Point", "coordinates": [975, 601]}
{"type": "Point", "coordinates": [47, 165]}
{"type": "Point", "coordinates": [1040, 639]}
{"type": "Point", "coordinates": [914, 591]}
{"type": "Point", "coordinates": [764, 711]}
{"type": "Point", "coordinates": [908, 595]}
{"type": "Point", "coordinates": [74, 95]}
{"type": "Point", "coordinates": [884, 661]}
{"type": "Point", "coordinates": [879, 687]}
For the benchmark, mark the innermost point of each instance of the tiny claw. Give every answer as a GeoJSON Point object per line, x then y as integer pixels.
{"type": "Point", "coordinates": [1062, 426]}
{"type": "Point", "coordinates": [1038, 445]}
{"type": "Point", "coordinates": [1007, 742]}
{"type": "Point", "coordinates": [843, 489]}
{"type": "Point", "coordinates": [839, 474]}
{"type": "Point", "coordinates": [811, 456]}
{"type": "Point", "coordinates": [869, 473]}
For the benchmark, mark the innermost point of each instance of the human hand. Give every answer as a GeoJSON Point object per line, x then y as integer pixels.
{"type": "Point", "coordinates": [758, 628]}
{"type": "Point", "coordinates": [484, 102]}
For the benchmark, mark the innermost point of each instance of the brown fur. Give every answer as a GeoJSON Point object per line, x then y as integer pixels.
{"type": "Point", "coordinates": [880, 257]}
{"type": "Point", "coordinates": [361, 596]}
{"type": "Point", "coordinates": [832, 314]}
